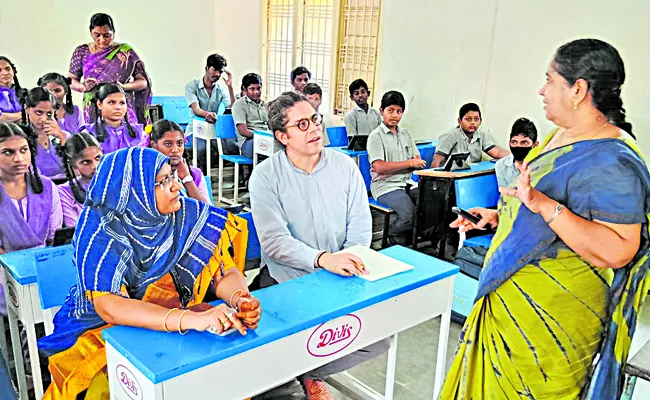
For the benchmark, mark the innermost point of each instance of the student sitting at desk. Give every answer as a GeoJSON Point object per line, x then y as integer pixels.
{"type": "Point", "coordinates": [168, 138]}
{"type": "Point", "coordinates": [249, 113]}
{"type": "Point", "coordinates": [467, 138]}
{"type": "Point", "coordinates": [204, 96]}
{"type": "Point", "coordinates": [393, 156]}
{"type": "Point", "coordinates": [523, 138]}
{"type": "Point", "coordinates": [81, 155]}
{"type": "Point", "coordinates": [112, 127]}
{"type": "Point", "coordinates": [30, 204]}
{"type": "Point", "coordinates": [309, 203]}
{"type": "Point", "coordinates": [300, 77]}
{"type": "Point", "coordinates": [362, 119]}
{"type": "Point", "coordinates": [314, 95]}
{"type": "Point", "coordinates": [146, 257]}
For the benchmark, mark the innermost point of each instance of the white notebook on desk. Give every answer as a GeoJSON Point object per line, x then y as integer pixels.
{"type": "Point", "coordinates": [378, 265]}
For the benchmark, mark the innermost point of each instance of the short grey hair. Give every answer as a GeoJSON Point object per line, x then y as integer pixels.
{"type": "Point", "coordinates": [277, 110]}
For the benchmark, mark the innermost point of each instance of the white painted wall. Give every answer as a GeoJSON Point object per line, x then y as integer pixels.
{"type": "Point", "coordinates": [495, 53]}
{"type": "Point", "coordinates": [172, 37]}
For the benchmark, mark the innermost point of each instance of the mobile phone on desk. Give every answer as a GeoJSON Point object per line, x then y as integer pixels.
{"type": "Point", "coordinates": [466, 214]}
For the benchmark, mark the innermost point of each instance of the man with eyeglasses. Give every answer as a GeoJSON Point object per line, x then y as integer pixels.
{"type": "Point", "coordinates": [308, 203]}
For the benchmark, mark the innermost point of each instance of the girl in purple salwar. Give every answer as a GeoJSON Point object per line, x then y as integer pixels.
{"type": "Point", "coordinates": [10, 92]}
{"type": "Point", "coordinates": [40, 113]}
{"type": "Point", "coordinates": [30, 204]}
{"type": "Point", "coordinates": [112, 128]}
{"type": "Point", "coordinates": [68, 115]}
{"type": "Point", "coordinates": [81, 155]}
{"type": "Point", "coordinates": [105, 61]}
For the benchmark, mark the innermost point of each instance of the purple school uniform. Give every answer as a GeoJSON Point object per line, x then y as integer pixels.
{"type": "Point", "coordinates": [72, 122]}
{"type": "Point", "coordinates": [49, 162]}
{"type": "Point", "coordinates": [118, 138]}
{"type": "Point", "coordinates": [18, 234]}
{"type": "Point", "coordinates": [9, 102]}
{"type": "Point", "coordinates": [71, 208]}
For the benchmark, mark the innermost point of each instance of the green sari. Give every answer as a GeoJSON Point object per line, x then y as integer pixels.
{"type": "Point", "coordinates": [546, 324]}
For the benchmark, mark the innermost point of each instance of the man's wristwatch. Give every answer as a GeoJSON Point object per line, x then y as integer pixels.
{"type": "Point", "coordinates": [187, 179]}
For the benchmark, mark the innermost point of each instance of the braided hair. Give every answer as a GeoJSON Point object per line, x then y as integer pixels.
{"type": "Point", "coordinates": [100, 93]}
{"type": "Point", "coordinates": [8, 130]}
{"type": "Point", "coordinates": [16, 86]}
{"type": "Point", "coordinates": [63, 81]}
{"type": "Point", "coordinates": [601, 66]}
{"type": "Point", "coordinates": [70, 153]}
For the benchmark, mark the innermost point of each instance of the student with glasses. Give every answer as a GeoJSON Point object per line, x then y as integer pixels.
{"type": "Point", "coordinates": [309, 203]}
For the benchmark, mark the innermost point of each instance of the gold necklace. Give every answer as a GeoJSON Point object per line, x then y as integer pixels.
{"type": "Point", "coordinates": [563, 134]}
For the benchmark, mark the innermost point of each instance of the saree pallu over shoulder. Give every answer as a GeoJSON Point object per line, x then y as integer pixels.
{"type": "Point", "coordinates": [118, 63]}
{"type": "Point", "coordinates": [546, 324]}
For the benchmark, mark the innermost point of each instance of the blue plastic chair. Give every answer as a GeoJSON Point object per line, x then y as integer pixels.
{"type": "Point", "coordinates": [225, 129]}
{"type": "Point", "coordinates": [55, 274]}
{"type": "Point", "coordinates": [175, 108]}
{"type": "Point", "coordinates": [338, 136]}
{"type": "Point", "coordinates": [477, 191]}
{"type": "Point", "coordinates": [253, 249]}
{"type": "Point", "coordinates": [364, 167]}
{"type": "Point", "coordinates": [426, 153]}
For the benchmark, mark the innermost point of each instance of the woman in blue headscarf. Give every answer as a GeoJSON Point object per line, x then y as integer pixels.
{"type": "Point", "coordinates": [146, 257]}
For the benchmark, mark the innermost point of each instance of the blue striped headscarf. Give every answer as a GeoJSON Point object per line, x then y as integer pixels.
{"type": "Point", "coordinates": [123, 240]}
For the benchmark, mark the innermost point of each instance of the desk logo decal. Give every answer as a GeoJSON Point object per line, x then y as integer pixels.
{"type": "Point", "coordinates": [128, 383]}
{"type": "Point", "coordinates": [263, 144]}
{"type": "Point", "coordinates": [200, 129]}
{"type": "Point", "coordinates": [334, 336]}
{"type": "Point", "coordinates": [13, 296]}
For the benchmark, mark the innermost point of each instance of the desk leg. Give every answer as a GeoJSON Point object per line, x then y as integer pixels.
{"type": "Point", "coordinates": [254, 159]}
{"type": "Point", "coordinates": [18, 354]}
{"type": "Point", "coordinates": [628, 389]}
{"type": "Point", "coordinates": [416, 215]}
{"type": "Point", "coordinates": [32, 346]}
{"type": "Point", "coordinates": [390, 369]}
{"type": "Point", "coordinates": [443, 221]}
{"type": "Point", "coordinates": [443, 338]}
{"type": "Point", "coordinates": [195, 152]}
{"type": "Point", "coordinates": [3, 341]}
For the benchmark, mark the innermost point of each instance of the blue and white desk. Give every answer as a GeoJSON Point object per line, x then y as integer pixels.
{"type": "Point", "coordinates": [307, 322]}
{"type": "Point", "coordinates": [23, 305]}
{"type": "Point", "coordinates": [264, 144]}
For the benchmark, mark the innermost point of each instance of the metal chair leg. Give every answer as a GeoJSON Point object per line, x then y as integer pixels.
{"type": "Point", "coordinates": [384, 238]}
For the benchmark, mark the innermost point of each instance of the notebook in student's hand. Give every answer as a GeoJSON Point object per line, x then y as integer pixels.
{"type": "Point", "coordinates": [378, 265]}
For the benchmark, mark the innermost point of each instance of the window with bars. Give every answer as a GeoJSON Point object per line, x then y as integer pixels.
{"type": "Point", "coordinates": [335, 39]}
{"type": "Point", "coordinates": [357, 48]}
{"type": "Point", "coordinates": [298, 32]}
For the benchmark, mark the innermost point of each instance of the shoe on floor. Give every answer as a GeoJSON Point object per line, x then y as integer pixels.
{"type": "Point", "coordinates": [316, 390]}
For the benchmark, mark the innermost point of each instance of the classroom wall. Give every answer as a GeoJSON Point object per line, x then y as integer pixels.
{"type": "Point", "coordinates": [495, 53]}
{"type": "Point", "coordinates": [172, 37]}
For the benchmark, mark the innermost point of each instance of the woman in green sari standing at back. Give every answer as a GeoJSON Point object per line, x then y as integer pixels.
{"type": "Point", "coordinates": [567, 271]}
{"type": "Point", "coordinates": [104, 61]}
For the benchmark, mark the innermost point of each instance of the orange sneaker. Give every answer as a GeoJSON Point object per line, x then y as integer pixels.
{"type": "Point", "coordinates": [316, 390]}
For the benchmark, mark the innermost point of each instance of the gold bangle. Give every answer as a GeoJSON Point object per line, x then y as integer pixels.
{"type": "Point", "coordinates": [180, 321]}
{"type": "Point", "coordinates": [233, 295]}
{"type": "Point", "coordinates": [167, 316]}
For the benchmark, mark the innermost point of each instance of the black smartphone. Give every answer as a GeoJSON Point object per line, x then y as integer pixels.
{"type": "Point", "coordinates": [466, 214]}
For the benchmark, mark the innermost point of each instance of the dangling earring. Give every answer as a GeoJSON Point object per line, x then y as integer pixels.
{"type": "Point", "coordinates": [575, 105]}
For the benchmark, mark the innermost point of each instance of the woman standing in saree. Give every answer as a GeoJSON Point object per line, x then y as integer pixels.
{"type": "Point", "coordinates": [104, 61]}
{"type": "Point", "coordinates": [146, 257]}
{"type": "Point", "coordinates": [567, 271]}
